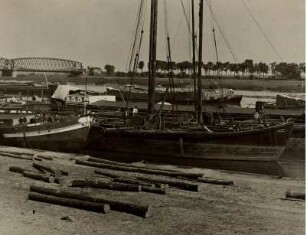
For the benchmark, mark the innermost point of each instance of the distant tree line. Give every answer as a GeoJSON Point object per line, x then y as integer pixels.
{"type": "Point", "coordinates": [246, 69]}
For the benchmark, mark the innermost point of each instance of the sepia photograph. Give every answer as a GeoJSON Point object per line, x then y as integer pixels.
{"type": "Point", "coordinates": [152, 117]}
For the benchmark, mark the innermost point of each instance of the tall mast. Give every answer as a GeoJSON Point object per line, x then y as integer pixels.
{"type": "Point", "coordinates": [200, 118]}
{"type": "Point", "coordinates": [193, 58]}
{"type": "Point", "coordinates": [152, 56]}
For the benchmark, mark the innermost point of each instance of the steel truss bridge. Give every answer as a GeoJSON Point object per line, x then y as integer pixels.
{"type": "Point", "coordinates": [39, 64]}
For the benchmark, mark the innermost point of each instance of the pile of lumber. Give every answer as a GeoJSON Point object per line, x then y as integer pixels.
{"type": "Point", "coordinates": [77, 200]}
{"type": "Point", "coordinates": [108, 175]}
{"type": "Point", "coordinates": [144, 176]}
{"type": "Point", "coordinates": [24, 156]}
{"type": "Point", "coordinates": [40, 171]}
{"type": "Point", "coordinates": [51, 174]}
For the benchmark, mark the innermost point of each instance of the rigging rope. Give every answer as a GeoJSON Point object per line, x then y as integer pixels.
{"type": "Point", "coordinates": [222, 32]}
{"type": "Point", "coordinates": [136, 33]}
{"type": "Point", "coordinates": [135, 49]}
{"type": "Point", "coordinates": [169, 60]}
{"type": "Point", "coordinates": [261, 30]}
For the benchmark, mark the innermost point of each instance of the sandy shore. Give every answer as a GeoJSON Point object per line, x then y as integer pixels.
{"type": "Point", "coordinates": [253, 206]}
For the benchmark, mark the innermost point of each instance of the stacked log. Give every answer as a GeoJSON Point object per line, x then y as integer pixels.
{"type": "Point", "coordinates": [105, 185]}
{"type": "Point", "coordinates": [161, 182]}
{"type": "Point", "coordinates": [18, 169]}
{"type": "Point", "coordinates": [91, 206]}
{"type": "Point", "coordinates": [38, 176]}
{"type": "Point", "coordinates": [295, 195]}
{"type": "Point", "coordinates": [17, 156]}
{"type": "Point", "coordinates": [176, 183]}
{"type": "Point", "coordinates": [216, 181]}
{"type": "Point", "coordinates": [101, 160]}
{"type": "Point", "coordinates": [43, 167]}
{"type": "Point", "coordinates": [140, 170]}
{"type": "Point", "coordinates": [139, 210]}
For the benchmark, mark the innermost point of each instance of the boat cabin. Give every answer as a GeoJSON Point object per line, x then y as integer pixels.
{"type": "Point", "coordinates": [13, 119]}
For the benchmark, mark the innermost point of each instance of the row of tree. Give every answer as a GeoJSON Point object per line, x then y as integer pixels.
{"type": "Point", "coordinates": [245, 69]}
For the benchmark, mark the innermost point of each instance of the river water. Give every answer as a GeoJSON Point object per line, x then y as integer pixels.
{"type": "Point", "coordinates": [249, 98]}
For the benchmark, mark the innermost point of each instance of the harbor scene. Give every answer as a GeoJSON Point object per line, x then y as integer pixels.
{"type": "Point", "coordinates": [152, 117]}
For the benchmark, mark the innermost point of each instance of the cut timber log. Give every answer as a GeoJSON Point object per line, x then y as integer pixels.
{"type": "Point", "coordinates": [38, 176]}
{"type": "Point", "coordinates": [173, 183]}
{"type": "Point", "coordinates": [45, 157]}
{"type": "Point", "coordinates": [140, 210]}
{"type": "Point", "coordinates": [101, 160]}
{"type": "Point", "coordinates": [18, 169]}
{"type": "Point", "coordinates": [118, 176]}
{"type": "Point", "coordinates": [56, 172]}
{"type": "Point", "coordinates": [296, 195]}
{"type": "Point", "coordinates": [85, 205]}
{"type": "Point", "coordinates": [105, 185]}
{"type": "Point", "coordinates": [17, 153]}
{"type": "Point", "coordinates": [216, 181]}
{"type": "Point", "coordinates": [134, 181]}
{"type": "Point", "coordinates": [18, 156]}
{"type": "Point", "coordinates": [154, 190]}
{"type": "Point", "coordinates": [113, 174]}
{"type": "Point", "coordinates": [140, 170]}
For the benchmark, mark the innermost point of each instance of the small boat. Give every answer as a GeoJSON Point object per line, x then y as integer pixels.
{"type": "Point", "coordinates": [56, 133]}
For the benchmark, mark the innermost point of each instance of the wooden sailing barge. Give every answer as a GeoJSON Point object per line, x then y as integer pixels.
{"type": "Point", "coordinates": [68, 134]}
{"type": "Point", "coordinates": [253, 150]}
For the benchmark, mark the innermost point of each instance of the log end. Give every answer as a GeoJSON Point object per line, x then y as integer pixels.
{"type": "Point", "coordinates": [106, 208]}
{"type": "Point", "coordinates": [149, 212]}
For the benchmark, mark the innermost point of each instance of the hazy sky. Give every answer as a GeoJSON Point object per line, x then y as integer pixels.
{"type": "Point", "coordinates": [97, 32]}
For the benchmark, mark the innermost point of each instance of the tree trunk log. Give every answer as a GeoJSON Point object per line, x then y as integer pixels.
{"type": "Point", "coordinates": [45, 157]}
{"type": "Point", "coordinates": [216, 181]}
{"type": "Point", "coordinates": [15, 156]}
{"type": "Point", "coordinates": [101, 160]}
{"type": "Point", "coordinates": [85, 205]}
{"type": "Point", "coordinates": [173, 183]}
{"type": "Point", "coordinates": [116, 176]}
{"type": "Point", "coordinates": [134, 181]}
{"type": "Point", "coordinates": [140, 210]}
{"type": "Point", "coordinates": [18, 169]}
{"type": "Point", "coordinates": [141, 170]}
{"type": "Point", "coordinates": [56, 172]}
{"type": "Point", "coordinates": [38, 176]}
{"type": "Point", "coordinates": [105, 185]}
{"type": "Point", "coordinates": [113, 175]}
{"type": "Point", "coordinates": [297, 195]}
{"type": "Point", "coordinates": [154, 190]}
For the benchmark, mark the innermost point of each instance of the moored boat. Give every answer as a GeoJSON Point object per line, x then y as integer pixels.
{"type": "Point", "coordinates": [67, 133]}
{"type": "Point", "coordinates": [256, 149]}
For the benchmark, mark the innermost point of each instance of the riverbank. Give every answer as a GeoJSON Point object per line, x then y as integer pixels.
{"type": "Point", "coordinates": [254, 205]}
{"type": "Point", "coordinates": [232, 83]}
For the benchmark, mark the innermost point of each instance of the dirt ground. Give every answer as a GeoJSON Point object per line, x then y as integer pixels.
{"type": "Point", "coordinates": [253, 206]}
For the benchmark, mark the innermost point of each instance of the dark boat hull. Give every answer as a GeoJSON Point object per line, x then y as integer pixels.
{"type": "Point", "coordinates": [70, 138]}
{"type": "Point", "coordinates": [230, 151]}
{"type": "Point", "coordinates": [180, 97]}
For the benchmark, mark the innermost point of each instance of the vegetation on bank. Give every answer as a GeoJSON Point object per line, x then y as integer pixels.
{"type": "Point", "coordinates": [246, 70]}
